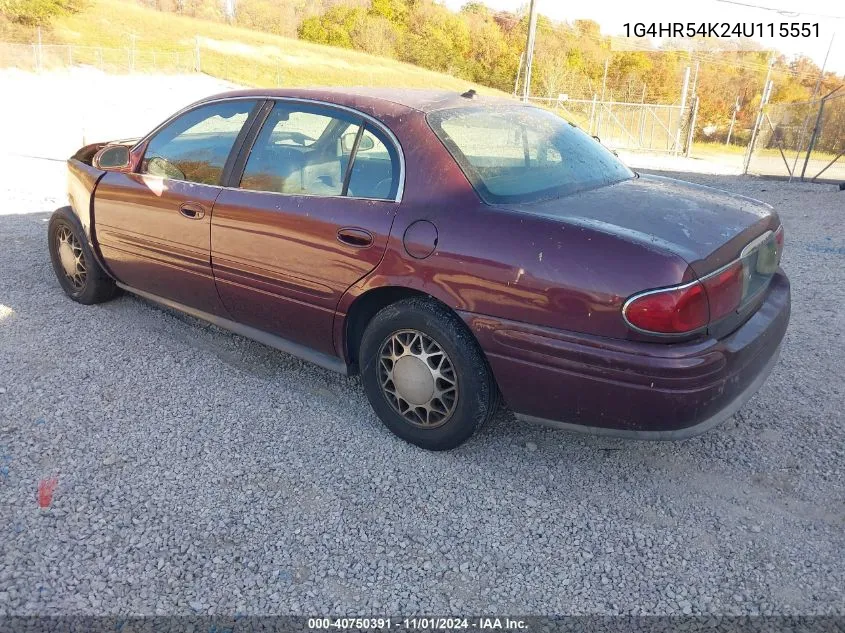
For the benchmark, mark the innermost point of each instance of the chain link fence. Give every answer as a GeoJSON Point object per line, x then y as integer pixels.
{"type": "Point", "coordinates": [804, 141]}
{"type": "Point", "coordinates": [794, 140]}
{"type": "Point", "coordinates": [624, 113]}
{"type": "Point", "coordinates": [261, 72]}
{"type": "Point", "coordinates": [650, 127]}
{"type": "Point", "coordinates": [38, 57]}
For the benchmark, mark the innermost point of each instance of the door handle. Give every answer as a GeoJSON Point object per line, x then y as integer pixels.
{"type": "Point", "coordinates": [192, 210]}
{"type": "Point", "coordinates": [359, 238]}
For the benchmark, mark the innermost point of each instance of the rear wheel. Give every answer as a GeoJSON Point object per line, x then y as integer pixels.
{"type": "Point", "coordinates": [79, 274]}
{"type": "Point", "coordinates": [424, 374]}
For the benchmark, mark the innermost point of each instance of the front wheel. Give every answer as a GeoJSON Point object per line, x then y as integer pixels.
{"type": "Point", "coordinates": [79, 274]}
{"type": "Point", "coordinates": [425, 375]}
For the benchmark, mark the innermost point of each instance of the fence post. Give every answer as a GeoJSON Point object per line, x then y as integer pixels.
{"type": "Point", "coordinates": [197, 60]}
{"type": "Point", "coordinates": [518, 73]}
{"type": "Point", "coordinates": [691, 131]}
{"type": "Point", "coordinates": [813, 138]}
{"type": "Point", "coordinates": [733, 121]}
{"type": "Point", "coordinates": [764, 99]}
{"type": "Point", "coordinates": [593, 112]}
{"type": "Point", "coordinates": [39, 53]}
{"type": "Point", "coordinates": [641, 124]}
{"type": "Point", "coordinates": [684, 90]}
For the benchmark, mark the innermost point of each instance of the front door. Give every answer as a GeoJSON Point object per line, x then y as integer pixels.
{"type": "Point", "coordinates": [153, 227]}
{"type": "Point", "coordinates": [310, 216]}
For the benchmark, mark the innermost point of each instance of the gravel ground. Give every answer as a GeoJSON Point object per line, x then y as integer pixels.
{"type": "Point", "coordinates": [197, 472]}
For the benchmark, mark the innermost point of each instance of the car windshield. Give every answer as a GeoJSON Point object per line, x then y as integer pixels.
{"type": "Point", "coordinates": [516, 154]}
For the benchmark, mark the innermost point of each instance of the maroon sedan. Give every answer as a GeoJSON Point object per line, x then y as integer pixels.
{"type": "Point", "coordinates": [449, 248]}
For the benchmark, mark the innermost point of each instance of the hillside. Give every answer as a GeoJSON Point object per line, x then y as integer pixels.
{"type": "Point", "coordinates": [236, 54]}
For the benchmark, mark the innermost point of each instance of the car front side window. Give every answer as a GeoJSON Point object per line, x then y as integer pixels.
{"type": "Point", "coordinates": [196, 145]}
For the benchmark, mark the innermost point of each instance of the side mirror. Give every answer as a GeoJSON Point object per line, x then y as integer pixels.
{"type": "Point", "coordinates": [347, 141]}
{"type": "Point", "coordinates": [112, 158]}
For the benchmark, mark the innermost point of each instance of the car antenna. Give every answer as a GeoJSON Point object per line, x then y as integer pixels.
{"type": "Point", "coordinates": [469, 94]}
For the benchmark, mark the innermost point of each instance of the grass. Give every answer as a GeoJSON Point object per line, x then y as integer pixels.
{"type": "Point", "coordinates": [709, 148]}
{"type": "Point", "coordinates": [166, 41]}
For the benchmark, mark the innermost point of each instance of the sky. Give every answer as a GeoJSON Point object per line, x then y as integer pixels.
{"type": "Point", "coordinates": [613, 14]}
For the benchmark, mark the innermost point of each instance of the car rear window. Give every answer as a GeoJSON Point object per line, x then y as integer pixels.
{"type": "Point", "coordinates": [514, 153]}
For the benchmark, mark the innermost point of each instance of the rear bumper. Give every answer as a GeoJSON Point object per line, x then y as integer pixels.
{"type": "Point", "coordinates": [633, 389]}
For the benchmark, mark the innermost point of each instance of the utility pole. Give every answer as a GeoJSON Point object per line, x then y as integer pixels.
{"type": "Point", "coordinates": [518, 73]}
{"type": "Point", "coordinates": [229, 10]}
{"type": "Point", "coordinates": [529, 49]}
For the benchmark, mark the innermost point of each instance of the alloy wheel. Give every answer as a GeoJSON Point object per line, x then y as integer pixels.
{"type": "Point", "coordinates": [417, 378]}
{"type": "Point", "coordinates": [71, 257]}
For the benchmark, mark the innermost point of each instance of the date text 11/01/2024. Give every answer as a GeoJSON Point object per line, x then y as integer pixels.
{"type": "Point", "coordinates": [418, 623]}
{"type": "Point", "coordinates": [721, 29]}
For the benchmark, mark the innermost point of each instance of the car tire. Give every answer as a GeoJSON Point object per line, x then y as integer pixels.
{"type": "Point", "coordinates": [439, 410]}
{"type": "Point", "coordinates": [76, 268]}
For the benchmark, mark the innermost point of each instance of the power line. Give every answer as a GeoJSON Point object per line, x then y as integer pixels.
{"type": "Point", "coordinates": [783, 11]}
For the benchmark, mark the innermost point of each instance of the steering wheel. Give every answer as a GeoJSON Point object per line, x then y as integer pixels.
{"type": "Point", "coordinates": [158, 166]}
{"type": "Point", "coordinates": [297, 137]}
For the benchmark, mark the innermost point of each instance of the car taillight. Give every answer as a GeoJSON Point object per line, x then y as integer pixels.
{"type": "Point", "coordinates": [725, 290]}
{"type": "Point", "coordinates": [672, 311]}
{"type": "Point", "coordinates": [690, 307]}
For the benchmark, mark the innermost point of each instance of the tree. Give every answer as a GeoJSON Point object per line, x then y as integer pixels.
{"type": "Point", "coordinates": [38, 12]}
{"type": "Point", "coordinates": [335, 27]}
{"type": "Point", "coordinates": [436, 39]}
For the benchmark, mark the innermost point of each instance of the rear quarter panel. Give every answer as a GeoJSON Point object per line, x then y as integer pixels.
{"type": "Point", "coordinates": [506, 263]}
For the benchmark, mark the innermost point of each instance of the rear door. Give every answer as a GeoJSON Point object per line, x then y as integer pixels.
{"type": "Point", "coordinates": [154, 226]}
{"type": "Point", "coordinates": [307, 215]}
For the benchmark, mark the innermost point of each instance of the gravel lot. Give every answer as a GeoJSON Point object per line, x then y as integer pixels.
{"type": "Point", "coordinates": [196, 471]}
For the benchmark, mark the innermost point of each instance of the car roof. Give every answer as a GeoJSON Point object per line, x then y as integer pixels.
{"type": "Point", "coordinates": [413, 99]}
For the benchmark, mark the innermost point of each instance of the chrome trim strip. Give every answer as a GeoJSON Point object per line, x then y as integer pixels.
{"type": "Point", "coordinates": [639, 295]}
{"type": "Point", "coordinates": [381, 126]}
{"type": "Point", "coordinates": [747, 250]}
{"type": "Point", "coordinates": [755, 243]}
{"type": "Point", "coordinates": [325, 361]}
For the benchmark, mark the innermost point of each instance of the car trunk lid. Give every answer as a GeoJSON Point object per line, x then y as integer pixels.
{"type": "Point", "coordinates": [710, 229]}
{"type": "Point", "coordinates": [705, 226]}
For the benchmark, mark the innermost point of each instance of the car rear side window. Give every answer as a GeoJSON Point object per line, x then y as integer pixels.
{"type": "Point", "coordinates": [375, 170]}
{"type": "Point", "coordinates": [516, 154]}
{"type": "Point", "coordinates": [301, 150]}
{"type": "Point", "coordinates": [195, 146]}
{"type": "Point", "coordinates": [312, 150]}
